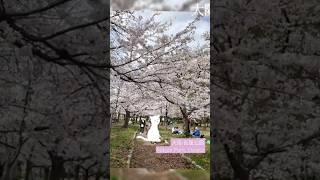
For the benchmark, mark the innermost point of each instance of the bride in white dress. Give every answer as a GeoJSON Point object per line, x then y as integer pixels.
{"type": "Point", "coordinates": [153, 133]}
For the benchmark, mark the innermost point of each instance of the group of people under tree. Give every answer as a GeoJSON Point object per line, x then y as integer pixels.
{"type": "Point", "coordinates": [144, 124]}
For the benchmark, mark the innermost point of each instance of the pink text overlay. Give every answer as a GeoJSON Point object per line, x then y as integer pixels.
{"type": "Point", "coordinates": [183, 145]}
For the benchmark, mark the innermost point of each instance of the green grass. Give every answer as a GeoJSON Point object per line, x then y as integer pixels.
{"type": "Point", "coordinates": [202, 160]}
{"type": "Point", "coordinates": [167, 135]}
{"type": "Point", "coordinates": [114, 178]}
{"type": "Point", "coordinates": [114, 174]}
{"type": "Point", "coordinates": [120, 144]}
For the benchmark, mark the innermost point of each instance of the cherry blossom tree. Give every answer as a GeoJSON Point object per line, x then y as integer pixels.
{"type": "Point", "coordinates": [161, 66]}
{"type": "Point", "coordinates": [190, 90]}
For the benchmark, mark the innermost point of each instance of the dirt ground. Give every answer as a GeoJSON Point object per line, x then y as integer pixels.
{"type": "Point", "coordinates": [145, 156]}
{"type": "Point", "coordinates": [147, 164]}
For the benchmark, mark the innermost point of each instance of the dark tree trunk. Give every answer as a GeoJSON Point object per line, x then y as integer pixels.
{"type": "Point", "coordinates": [86, 176]}
{"type": "Point", "coordinates": [118, 117]}
{"type": "Point", "coordinates": [126, 119]}
{"type": "Point", "coordinates": [57, 169]}
{"type": "Point", "coordinates": [186, 121]}
{"type": "Point", "coordinates": [7, 172]}
{"type": "Point", "coordinates": [11, 171]}
{"type": "Point", "coordinates": [98, 176]}
{"type": "Point", "coordinates": [132, 118]}
{"type": "Point", "coordinates": [28, 170]}
{"type": "Point", "coordinates": [46, 173]}
{"type": "Point", "coordinates": [241, 175]}
{"type": "Point", "coordinates": [77, 172]}
{"type": "Point", "coordinates": [1, 169]}
{"type": "Point", "coordinates": [136, 119]}
{"type": "Point", "coordinates": [239, 171]}
{"type": "Point", "coordinates": [166, 116]}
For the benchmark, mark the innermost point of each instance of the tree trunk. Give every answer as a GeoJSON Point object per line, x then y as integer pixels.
{"type": "Point", "coordinates": [126, 119]}
{"type": "Point", "coordinates": [46, 173]}
{"type": "Point", "coordinates": [11, 171]}
{"type": "Point", "coordinates": [241, 175]}
{"type": "Point", "coordinates": [186, 121]}
{"type": "Point", "coordinates": [118, 117]}
{"type": "Point", "coordinates": [7, 171]}
{"type": "Point", "coordinates": [132, 119]}
{"type": "Point", "coordinates": [98, 176]}
{"type": "Point", "coordinates": [57, 169]}
{"type": "Point", "coordinates": [239, 172]}
{"type": "Point", "coordinates": [86, 176]}
{"type": "Point", "coordinates": [1, 169]}
{"type": "Point", "coordinates": [166, 117]}
{"type": "Point", "coordinates": [76, 172]}
{"type": "Point", "coordinates": [28, 170]}
{"type": "Point", "coordinates": [135, 119]}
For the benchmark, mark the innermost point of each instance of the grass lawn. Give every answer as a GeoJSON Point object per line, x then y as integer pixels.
{"type": "Point", "coordinates": [167, 135]}
{"type": "Point", "coordinates": [120, 144]}
{"type": "Point", "coordinates": [203, 159]}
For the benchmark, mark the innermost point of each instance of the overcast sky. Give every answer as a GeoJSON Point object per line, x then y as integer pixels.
{"type": "Point", "coordinates": [159, 5]}
{"type": "Point", "coordinates": [180, 19]}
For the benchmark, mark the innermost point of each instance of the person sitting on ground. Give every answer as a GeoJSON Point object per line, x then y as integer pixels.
{"type": "Point", "coordinates": [196, 133]}
{"type": "Point", "coordinates": [175, 130]}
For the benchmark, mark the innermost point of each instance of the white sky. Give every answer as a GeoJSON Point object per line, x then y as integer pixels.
{"type": "Point", "coordinates": [180, 19]}
{"type": "Point", "coordinates": [172, 5]}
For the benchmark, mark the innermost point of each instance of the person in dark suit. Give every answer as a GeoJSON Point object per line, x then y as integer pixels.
{"type": "Point", "coordinates": [142, 126]}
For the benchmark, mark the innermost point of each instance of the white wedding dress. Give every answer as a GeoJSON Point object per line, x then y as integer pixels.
{"type": "Point", "coordinates": [153, 133]}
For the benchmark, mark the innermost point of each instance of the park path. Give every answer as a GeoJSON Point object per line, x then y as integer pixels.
{"type": "Point", "coordinates": [145, 156]}
{"type": "Point", "coordinates": [145, 164]}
